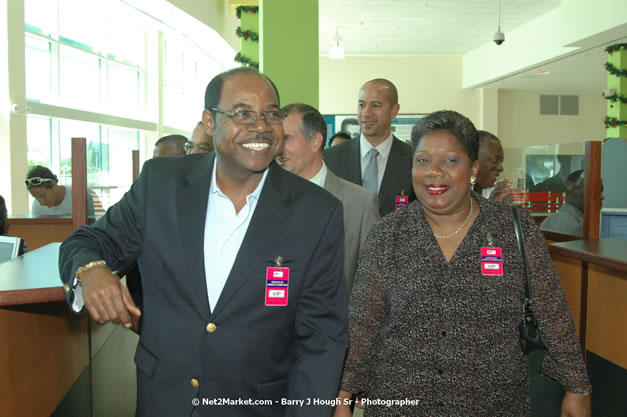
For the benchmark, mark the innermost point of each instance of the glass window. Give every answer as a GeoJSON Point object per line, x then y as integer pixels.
{"type": "Point", "coordinates": [117, 176]}
{"type": "Point", "coordinates": [81, 23]}
{"type": "Point", "coordinates": [125, 34]}
{"type": "Point", "coordinates": [69, 129]}
{"type": "Point", "coordinates": [123, 89]}
{"type": "Point", "coordinates": [174, 111]}
{"type": "Point", "coordinates": [41, 16]}
{"type": "Point", "coordinates": [39, 142]}
{"type": "Point", "coordinates": [79, 76]}
{"type": "Point", "coordinates": [38, 60]}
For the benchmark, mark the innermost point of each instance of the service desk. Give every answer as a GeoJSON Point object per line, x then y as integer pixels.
{"type": "Point", "coordinates": [594, 276]}
{"type": "Point", "coordinates": [40, 231]}
{"type": "Point", "coordinates": [54, 363]}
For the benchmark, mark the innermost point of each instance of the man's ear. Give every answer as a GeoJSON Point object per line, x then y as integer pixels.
{"type": "Point", "coordinates": [395, 110]}
{"type": "Point", "coordinates": [316, 142]}
{"type": "Point", "coordinates": [208, 121]}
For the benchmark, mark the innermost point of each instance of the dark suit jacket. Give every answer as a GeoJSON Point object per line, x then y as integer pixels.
{"type": "Point", "coordinates": [255, 352]}
{"type": "Point", "coordinates": [345, 161]}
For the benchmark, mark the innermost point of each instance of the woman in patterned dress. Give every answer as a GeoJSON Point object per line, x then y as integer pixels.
{"type": "Point", "coordinates": [433, 331]}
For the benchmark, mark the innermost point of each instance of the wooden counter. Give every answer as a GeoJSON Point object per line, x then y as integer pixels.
{"type": "Point", "coordinates": [40, 231]}
{"type": "Point", "coordinates": [610, 252]}
{"type": "Point", "coordinates": [25, 280]}
{"type": "Point", "coordinates": [44, 345]}
{"type": "Point", "coordinates": [53, 362]}
{"type": "Point", "coordinates": [594, 277]}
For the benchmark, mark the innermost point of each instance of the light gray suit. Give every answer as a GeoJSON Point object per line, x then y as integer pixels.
{"type": "Point", "coordinates": [361, 210]}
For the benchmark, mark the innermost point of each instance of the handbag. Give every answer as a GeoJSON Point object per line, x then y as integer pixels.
{"type": "Point", "coordinates": [528, 329]}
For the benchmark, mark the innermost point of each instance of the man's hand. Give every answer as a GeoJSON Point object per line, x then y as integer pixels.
{"type": "Point", "coordinates": [108, 299]}
{"type": "Point", "coordinates": [502, 189]}
{"type": "Point", "coordinates": [576, 405]}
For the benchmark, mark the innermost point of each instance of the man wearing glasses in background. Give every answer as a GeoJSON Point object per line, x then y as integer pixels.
{"type": "Point", "coordinates": [50, 198]}
{"type": "Point", "coordinates": [242, 270]}
{"type": "Point", "coordinates": [201, 140]}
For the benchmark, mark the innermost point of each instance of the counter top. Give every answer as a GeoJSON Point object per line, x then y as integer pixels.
{"type": "Point", "coordinates": [610, 252]}
{"type": "Point", "coordinates": [32, 278]}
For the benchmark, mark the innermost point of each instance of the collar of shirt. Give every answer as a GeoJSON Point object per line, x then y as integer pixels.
{"type": "Point", "coordinates": [214, 188]}
{"type": "Point", "coordinates": [383, 148]}
{"type": "Point", "coordinates": [224, 234]}
{"type": "Point", "coordinates": [320, 177]}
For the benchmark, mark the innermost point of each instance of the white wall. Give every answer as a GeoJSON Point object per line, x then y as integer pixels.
{"type": "Point", "coordinates": [520, 123]}
{"type": "Point", "coordinates": [425, 84]}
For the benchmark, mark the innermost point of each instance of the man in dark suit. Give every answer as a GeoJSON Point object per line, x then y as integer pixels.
{"type": "Point", "coordinates": [491, 157]}
{"type": "Point", "coordinates": [241, 265]}
{"type": "Point", "coordinates": [377, 160]}
{"type": "Point", "coordinates": [305, 132]}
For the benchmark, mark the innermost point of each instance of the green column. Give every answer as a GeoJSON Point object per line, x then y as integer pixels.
{"type": "Point", "coordinates": [616, 109]}
{"type": "Point", "coordinates": [288, 48]}
{"type": "Point", "coordinates": [249, 22]}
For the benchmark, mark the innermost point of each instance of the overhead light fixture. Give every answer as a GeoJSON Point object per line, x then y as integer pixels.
{"type": "Point", "coordinates": [542, 72]}
{"type": "Point", "coordinates": [336, 52]}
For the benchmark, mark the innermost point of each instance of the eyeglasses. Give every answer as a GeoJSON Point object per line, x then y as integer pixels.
{"type": "Point", "coordinates": [247, 117]}
{"type": "Point", "coordinates": [35, 181]}
{"type": "Point", "coordinates": [200, 147]}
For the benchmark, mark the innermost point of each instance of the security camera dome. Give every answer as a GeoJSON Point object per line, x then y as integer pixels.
{"type": "Point", "coordinates": [499, 37]}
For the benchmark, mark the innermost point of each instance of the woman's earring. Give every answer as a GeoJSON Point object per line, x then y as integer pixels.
{"type": "Point", "coordinates": [473, 180]}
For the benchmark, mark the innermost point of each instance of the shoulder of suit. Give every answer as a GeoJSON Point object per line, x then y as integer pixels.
{"type": "Point", "coordinates": [302, 188]}
{"type": "Point", "coordinates": [176, 165]}
{"type": "Point", "coordinates": [335, 151]}
{"type": "Point", "coordinates": [401, 144]}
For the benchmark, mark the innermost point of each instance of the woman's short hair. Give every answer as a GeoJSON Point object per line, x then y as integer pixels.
{"type": "Point", "coordinates": [452, 122]}
{"type": "Point", "coordinates": [39, 171]}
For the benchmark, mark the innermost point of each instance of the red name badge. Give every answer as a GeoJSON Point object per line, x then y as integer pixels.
{"type": "Point", "coordinates": [401, 201]}
{"type": "Point", "coordinates": [277, 285]}
{"type": "Point", "coordinates": [491, 261]}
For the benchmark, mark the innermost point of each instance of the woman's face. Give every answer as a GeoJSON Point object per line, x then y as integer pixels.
{"type": "Point", "coordinates": [441, 173]}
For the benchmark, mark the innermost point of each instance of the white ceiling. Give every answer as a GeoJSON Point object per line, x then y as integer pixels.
{"type": "Point", "coordinates": [420, 27]}
{"type": "Point", "coordinates": [453, 27]}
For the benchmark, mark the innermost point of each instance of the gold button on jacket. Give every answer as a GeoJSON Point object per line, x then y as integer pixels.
{"type": "Point", "coordinates": [194, 383]}
{"type": "Point", "coordinates": [211, 327]}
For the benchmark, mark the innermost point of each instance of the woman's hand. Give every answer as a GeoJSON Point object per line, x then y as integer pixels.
{"type": "Point", "coordinates": [576, 405]}
{"type": "Point", "coordinates": [343, 408]}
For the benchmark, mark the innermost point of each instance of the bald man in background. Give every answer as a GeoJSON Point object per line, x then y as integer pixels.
{"type": "Point", "coordinates": [377, 160]}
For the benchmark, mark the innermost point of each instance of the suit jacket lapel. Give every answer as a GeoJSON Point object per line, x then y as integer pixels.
{"type": "Point", "coordinates": [353, 162]}
{"type": "Point", "coordinates": [392, 172]}
{"type": "Point", "coordinates": [259, 237]}
{"type": "Point", "coordinates": [191, 204]}
{"type": "Point", "coordinates": [332, 184]}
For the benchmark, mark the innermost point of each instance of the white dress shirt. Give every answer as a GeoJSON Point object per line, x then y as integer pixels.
{"type": "Point", "coordinates": [382, 159]}
{"type": "Point", "coordinates": [320, 177]}
{"type": "Point", "coordinates": [224, 233]}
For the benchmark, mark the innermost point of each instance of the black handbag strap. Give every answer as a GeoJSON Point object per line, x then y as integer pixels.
{"type": "Point", "coordinates": [520, 239]}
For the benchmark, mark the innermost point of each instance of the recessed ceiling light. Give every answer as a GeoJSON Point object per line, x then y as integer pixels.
{"type": "Point", "coordinates": [542, 72]}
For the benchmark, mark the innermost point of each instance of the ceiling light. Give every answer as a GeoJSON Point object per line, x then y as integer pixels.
{"type": "Point", "coordinates": [336, 52]}
{"type": "Point", "coordinates": [542, 72]}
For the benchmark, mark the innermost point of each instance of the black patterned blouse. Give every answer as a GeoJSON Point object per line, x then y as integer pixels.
{"type": "Point", "coordinates": [442, 334]}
